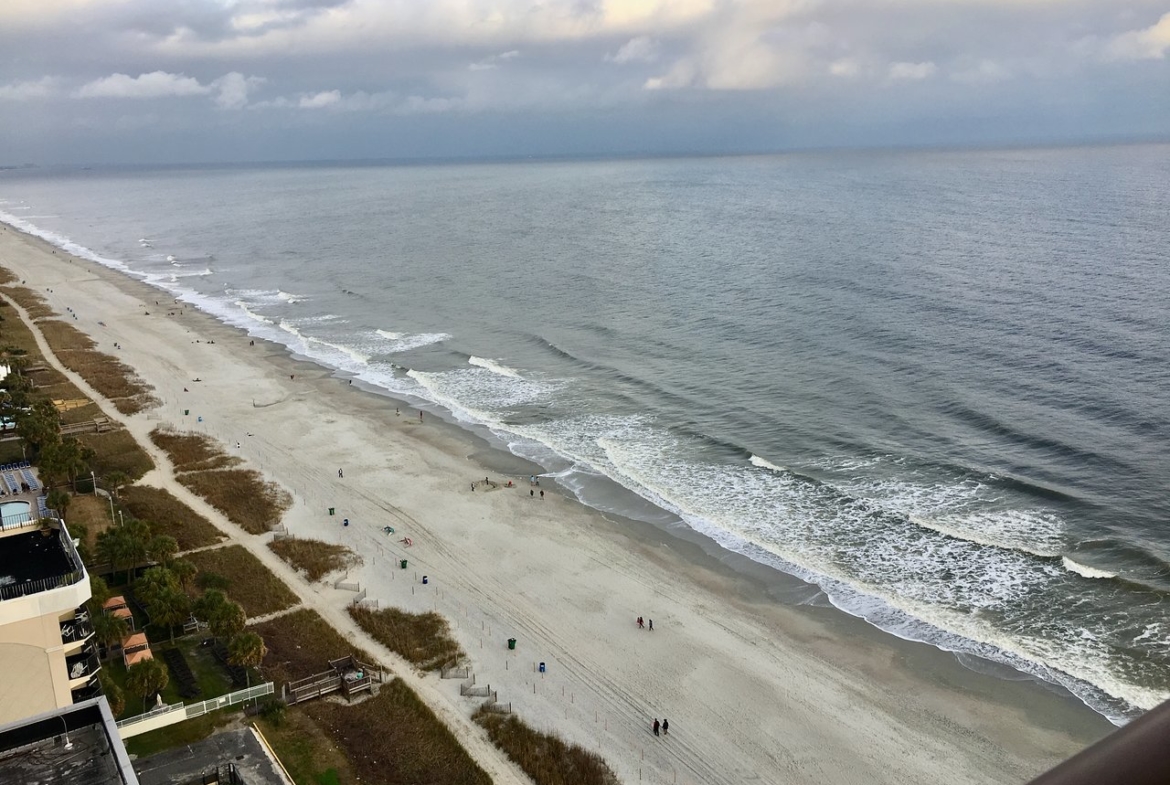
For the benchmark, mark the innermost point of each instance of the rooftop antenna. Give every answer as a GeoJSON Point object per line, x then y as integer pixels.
{"type": "Point", "coordinates": [68, 744]}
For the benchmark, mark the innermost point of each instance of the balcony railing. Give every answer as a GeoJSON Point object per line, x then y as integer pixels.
{"type": "Point", "coordinates": [83, 665]}
{"type": "Point", "coordinates": [91, 689]}
{"type": "Point", "coordinates": [15, 590]}
{"type": "Point", "coordinates": [76, 629]}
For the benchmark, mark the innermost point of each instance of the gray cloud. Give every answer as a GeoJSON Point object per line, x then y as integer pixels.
{"type": "Point", "coordinates": [639, 75]}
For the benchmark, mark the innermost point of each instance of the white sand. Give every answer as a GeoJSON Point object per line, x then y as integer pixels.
{"type": "Point", "coordinates": [754, 691]}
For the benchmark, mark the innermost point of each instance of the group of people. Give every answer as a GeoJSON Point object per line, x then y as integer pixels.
{"type": "Point", "coordinates": [642, 623]}
{"type": "Point", "coordinates": [664, 726]}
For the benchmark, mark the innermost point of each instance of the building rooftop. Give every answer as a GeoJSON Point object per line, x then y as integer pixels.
{"type": "Point", "coordinates": [31, 561]}
{"type": "Point", "coordinates": [77, 745]}
{"type": "Point", "coordinates": [238, 749]}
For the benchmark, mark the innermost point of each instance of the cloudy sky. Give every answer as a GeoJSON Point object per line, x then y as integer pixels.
{"type": "Point", "coordinates": [229, 80]}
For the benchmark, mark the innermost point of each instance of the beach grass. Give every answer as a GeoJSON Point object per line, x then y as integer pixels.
{"type": "Point", "coordinates": [423, 639]}
{"type": "Point", "coordinates": [30, 301]}
{"type": "Point", "coordinates": [244, 578]}
{"type": "Point", "coordinates": [88, 515]}
{"type": "Point", "coordinates": [546, 758]}
{"type": "Point", "coordinates": [167, 515]}
{"type": "Point", "coordinates": [300, 644]}
{"type": "Point", "coordinates": [192, 452]}
{"type": "Point", "coordinates": [314, 558]}
{"type": "Point", "coordinates": [393, 738]}
{"type": "Point", "coordinates": [113, 379]}
{"type": "Point", "coordinates": [243, 495]}
{"type": "Point", "coordinates": [116, 451]}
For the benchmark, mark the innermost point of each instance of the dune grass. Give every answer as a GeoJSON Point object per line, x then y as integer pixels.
{"type": "Point", "coordinates": [243, 495]}
{"type": "Point", "coordinates": [423, 639]}
{"type": "Point", "coordinates": [30, 301]}
{"type": "Point", "coordinates": [192, 452]}
{"type": "Point", "coordinates": [393, 738]}
{"type": "Point", "coordinates": [167, 515]}
{"type": "Point", "coordinates": [301, 644]}
{"type": "Point", "coordinates": [314, 558]}
{"type": "Point", "coordinates": [245, 579]}
{"type": "Point", "coordinates": [116, 451]}
{"type": "Point", "coordinates": [113, 379]}
{"type": "Point", "coordinates": [545, 758]}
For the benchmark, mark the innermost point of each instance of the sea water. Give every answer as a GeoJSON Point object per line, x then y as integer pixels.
{"type": "Point", "coordinates": [934, 384]}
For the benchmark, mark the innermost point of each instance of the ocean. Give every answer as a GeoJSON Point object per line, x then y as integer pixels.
{"type": "Point", "coordinates": [931, 384]}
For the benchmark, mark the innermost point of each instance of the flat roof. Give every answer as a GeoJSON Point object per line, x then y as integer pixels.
{"type": "Point", "coordinates": [32, 556]}
{"type": "Point", "coordinates": [35, 750]}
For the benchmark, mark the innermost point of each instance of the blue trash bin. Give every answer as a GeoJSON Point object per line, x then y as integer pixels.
{"type": "Point", "coordinates": [542, 667]}
{"type": "Point", "coordinates": [345, 522]}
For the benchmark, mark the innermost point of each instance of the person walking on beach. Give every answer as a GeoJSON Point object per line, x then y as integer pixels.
{"type": "Point", "coordinates": [665, 726]}
{"type": "Point", "coordinates": [656, 726]}
{"type": "Point", "coordinates": [651, 624]}
{"type": "Point", "coordinates": [641, 624]}
{"type": "Point", "coordinates": [420, 416]}
{"type": "Point", "coordinates": [340, 474]}
{"type": "Point", "coordinates": [532, 494]}
{"type": "Point", "coordinates": [542, 494]}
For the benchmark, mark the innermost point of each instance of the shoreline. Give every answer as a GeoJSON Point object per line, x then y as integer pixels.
{"type": "Point", "coordinates": [722, 604]}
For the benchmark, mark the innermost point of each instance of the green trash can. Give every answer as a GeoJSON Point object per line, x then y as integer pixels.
{"type": "Point", "coordinates": [330, 510]}
{"type": "Point", "coordinates": [402, 564]}
{"type": "Point", "coordinates": [512, 643]}
{"type": "Point", "coordinates": [186, 412]}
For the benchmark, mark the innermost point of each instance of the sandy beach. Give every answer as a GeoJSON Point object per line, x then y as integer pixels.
{"type": "Point", "coordinates": [756, 690]}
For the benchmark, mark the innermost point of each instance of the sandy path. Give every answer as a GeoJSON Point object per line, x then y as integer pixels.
{"type": "Point", "coordinates": [755, 691]}
{"type": "Point", "coordinates": [471, 735]}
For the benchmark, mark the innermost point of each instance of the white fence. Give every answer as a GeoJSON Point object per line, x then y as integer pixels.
{"type": "Point", "coordinates": [177, 712]}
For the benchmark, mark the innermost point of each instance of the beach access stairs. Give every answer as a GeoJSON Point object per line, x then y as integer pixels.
{"type": "Point", "coordinates": [346, 675]}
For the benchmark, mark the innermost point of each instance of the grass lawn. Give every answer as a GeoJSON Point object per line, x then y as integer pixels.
{"type": "Point", "coordinates": [301, 644]}
{"type": "Point", "coordinates": [305, 749]}
{"type": "Point", "coordinates": [244, 578]}
{"type": "Point", "coordinates": [213, 680]}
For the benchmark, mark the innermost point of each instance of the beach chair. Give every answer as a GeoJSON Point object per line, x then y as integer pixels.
{"type": "Point", "coordinates": [31, 479]}
{"type": "Point", "coordinates": [13, 485]}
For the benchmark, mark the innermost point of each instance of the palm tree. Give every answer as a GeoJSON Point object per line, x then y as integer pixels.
{"type": "Point", "coordinates": [184, 571]}
{"type": "Point", "coordinates": [229, 619]}
{"type": "Point", "coordinates": [146, 678]}
{"type": "Point", "coordinates": [99, 592]}
{"type": "Point", "coordinates": [66, 457]}
{"type": "Point", "coordinates": [162, 548]}
{"type": "Point", "coordinates": [247, 650]}
{"type": "Point", "coordinates": [113, 693]}
{"type": "Point", "coordinates": [115, 481]}
{"type": "Point", "coordinates": [109, 629]}
{"type": "Point", "coordinates": [169, 608]}
{"type": "Point", "coordinates": [58, 500]}
{"type": "Point", "coordinates": [155, 582]}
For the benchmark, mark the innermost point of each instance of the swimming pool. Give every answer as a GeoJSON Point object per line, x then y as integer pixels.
{"type": "Point", "coordinates": [13, 513]}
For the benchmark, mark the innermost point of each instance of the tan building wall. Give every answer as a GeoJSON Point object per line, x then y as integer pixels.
{"type": "Point", "coordinates": [28, 685]}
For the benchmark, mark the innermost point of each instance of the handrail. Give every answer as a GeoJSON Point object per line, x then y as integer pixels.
{"type": "Point", "coordinates": [1135, 754]}
{"type": "Point", "coordinates": [13, 591]}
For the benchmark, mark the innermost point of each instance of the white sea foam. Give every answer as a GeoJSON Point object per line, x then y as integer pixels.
{"type": "Point", "coordinates": [397, 343]}
{"type": "Point", "coordinates": [763, 464]}
{"type": "Point", "coordinates": [494, 367]}
{"type": "Point", "coordinates": [64, 243]}
{"type": "Point", "coordinates": [292, 299]}
{"type": "Point", "coordinates": [171, 259]}
{"type": "Point", "coordinates": [1085, 570]}
{"type": "Point", "coordinates": [243, 306]}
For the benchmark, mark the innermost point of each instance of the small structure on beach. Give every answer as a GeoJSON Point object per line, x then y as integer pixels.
{"type": "Point", "coordinates": [347, 675]}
